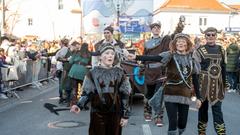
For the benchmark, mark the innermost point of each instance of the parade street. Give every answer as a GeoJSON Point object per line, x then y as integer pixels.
{"type": "Point", "coordinates": [29, 117]}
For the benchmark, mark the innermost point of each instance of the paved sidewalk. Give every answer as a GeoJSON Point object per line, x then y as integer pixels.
{"type": "Point", "coordinates": [28, 92]}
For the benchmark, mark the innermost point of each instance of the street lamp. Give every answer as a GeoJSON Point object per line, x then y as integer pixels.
{"type": "Point", "coordinates": [118, 16]}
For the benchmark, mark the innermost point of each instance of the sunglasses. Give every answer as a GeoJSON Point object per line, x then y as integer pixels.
{"type": "Point", "coordinates": [213, 35]}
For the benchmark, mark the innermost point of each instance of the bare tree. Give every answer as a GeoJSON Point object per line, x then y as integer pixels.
{"type": "Point", "coordinates": [10, 18]}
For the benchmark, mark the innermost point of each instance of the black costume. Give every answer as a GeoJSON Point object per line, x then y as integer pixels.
{"type": "Point", "coordinates": [212, 86]}
{"type": "Point", "coordinates": [108, 90]}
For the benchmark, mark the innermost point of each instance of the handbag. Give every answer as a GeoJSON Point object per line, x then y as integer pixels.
{"type": "Point", "coordinates": [10, 74]}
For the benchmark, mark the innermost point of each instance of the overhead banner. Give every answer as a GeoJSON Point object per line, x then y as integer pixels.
{"type": "Point", "coordinates": [134, 17]}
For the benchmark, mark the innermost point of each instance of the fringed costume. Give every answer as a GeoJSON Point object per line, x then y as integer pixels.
{"type": "Point", "coordinates": [108, 91]}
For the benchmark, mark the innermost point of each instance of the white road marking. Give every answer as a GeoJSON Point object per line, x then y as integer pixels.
{"type": "Point", "coordinates": [146, 129]}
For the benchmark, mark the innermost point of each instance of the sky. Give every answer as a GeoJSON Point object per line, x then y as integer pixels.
{"type": "Point", "coordinates": [230, 1]}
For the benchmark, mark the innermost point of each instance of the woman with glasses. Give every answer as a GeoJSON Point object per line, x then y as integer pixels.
{"type": "Point", "coordinates": [181, 73]}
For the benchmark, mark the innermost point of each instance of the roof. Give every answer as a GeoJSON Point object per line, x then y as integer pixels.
{"type": "Point", "coordinates": [193, 6]}
{"type": "Point", "coordinates": [235, 7]}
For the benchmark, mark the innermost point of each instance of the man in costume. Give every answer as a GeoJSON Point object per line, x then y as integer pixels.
{"type": "Point", "coordinates": [154, 74]}
{"type": "Point", "coordinates": [212, 81]}
{"type": "Point", "coordinates": [119, 46]}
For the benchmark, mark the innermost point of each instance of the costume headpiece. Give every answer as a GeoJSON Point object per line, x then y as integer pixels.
{"type": "Point", "coordinates": [103, 47]}
{"type": "Point", "coordinates": [210, 29]}
{"type": "Point", "coordinates": [181, 35]}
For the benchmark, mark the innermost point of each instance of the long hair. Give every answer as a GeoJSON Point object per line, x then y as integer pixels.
{"type": "Point", "coordinates": [173, 44]}
{"type": "Point", "coordinates": [84, 52]}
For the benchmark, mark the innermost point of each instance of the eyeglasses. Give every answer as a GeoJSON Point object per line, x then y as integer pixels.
{"type": "Point", "coordinates": [213, 35]}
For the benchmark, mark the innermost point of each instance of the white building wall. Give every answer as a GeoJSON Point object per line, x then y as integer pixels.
{"type": "Point", "coordinates": [169, 21]}
{"type": "Point", "coordinates": [48, 22]}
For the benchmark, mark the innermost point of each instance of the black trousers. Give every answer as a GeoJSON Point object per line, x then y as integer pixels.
{"type": "Point", "coordinates": [151, 89]}
{"type": "Point", "coordinates": [177, 115]}
{"type": "Point", "coordinates": [216, 112]}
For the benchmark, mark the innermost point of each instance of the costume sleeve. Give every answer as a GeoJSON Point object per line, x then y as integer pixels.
{"type": "Point", "coordinates": [223, 66]}
{"type": "Point", "coordinates": [195, 78]}
{"type": "Point", "coordinates": [88, 90]}
{"type": "Point", "coordinates": [196, 85]}
{"type": "Point", "coordinates": [163, 57]}
{"type": "Point", "coordinates": [196, 56]}
{"type": "Point", "coordinates": [225, 82]}
{"type": "Point", "coordinates": [124, 90]}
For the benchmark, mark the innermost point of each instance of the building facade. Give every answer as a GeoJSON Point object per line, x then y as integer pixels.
{"type": "Point", "coordinates": [198, 15]}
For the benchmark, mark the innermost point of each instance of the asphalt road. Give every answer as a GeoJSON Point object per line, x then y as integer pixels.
{"type": "Point", "coordinates": [28, 116]}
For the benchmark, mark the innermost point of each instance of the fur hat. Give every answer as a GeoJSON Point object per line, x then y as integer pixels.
{"type": "Point", "coordinates": [103, 47]}
{"type": "Point", "coordinates": [106, 46]}
{"type": "Point", "coordinates": [181, 35]}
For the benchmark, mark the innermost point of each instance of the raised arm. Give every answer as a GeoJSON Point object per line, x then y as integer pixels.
{"type": "Point", "coordinates": [156, 58]}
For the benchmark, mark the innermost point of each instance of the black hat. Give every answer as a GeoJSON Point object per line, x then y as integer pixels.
{"type": "Point", "coordinates": [109, 28]}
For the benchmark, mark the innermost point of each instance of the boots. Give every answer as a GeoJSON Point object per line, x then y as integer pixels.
{"type": "Point", "coordinates": [180, 131]}
{"type": "Point", "coordinates": [202, 128]}
{"type": "Point", "coordinates": [220, 128]}
{"type": "Point", "coordinates": [147, 111]}
{"type": "Point", "coordinates": [174, 132]}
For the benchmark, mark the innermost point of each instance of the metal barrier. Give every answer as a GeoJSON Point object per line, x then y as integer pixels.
{"type": "Point", "coordinates": [25, 71]}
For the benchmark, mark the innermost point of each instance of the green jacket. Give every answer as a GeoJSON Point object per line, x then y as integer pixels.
{"type": "Point", "coordinates": [232, 58]}
{"type": "Point", "coordinates": [78, 69]}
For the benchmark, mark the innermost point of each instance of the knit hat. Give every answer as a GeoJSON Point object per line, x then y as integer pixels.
{"type": "Point", "coordinates": [103, 47]}
{"type": "Point", "coordinates": [109, 28]}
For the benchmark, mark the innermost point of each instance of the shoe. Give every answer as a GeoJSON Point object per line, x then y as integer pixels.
{"type": "Point", "coordinates": [39, 84]}
{"type": "Point", "coordinates": [230, 90]}
{"type": "Point", "coordinates": [3, 96]}
{"type": "Point", "coordinates": [158, 122]}
{"type": "Point", "coordinates": [234, 90]}
{"type": "Point", "coordinates": [60, 101]}
{"type": "Point", "coordinates": [86, 107]}
{"type": "Point", "coordinates": [147, 117]}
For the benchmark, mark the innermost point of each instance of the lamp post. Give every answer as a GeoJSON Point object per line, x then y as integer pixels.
{"type": "Point", "coordinates": [118, 16]}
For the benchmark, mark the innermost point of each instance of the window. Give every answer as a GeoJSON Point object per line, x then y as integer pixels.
{"type": "Point", "coordinates": [202, 21]}
{"type": "Point", "coordinates": [30, 21]}
{"type": "Point", "coordinates": [60, 4]}
{"type": "Point", "coordinates": [205, 21]}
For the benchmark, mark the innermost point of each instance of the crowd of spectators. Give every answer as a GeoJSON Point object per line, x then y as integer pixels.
{"type": "Point", "coordinates": [14, 52]}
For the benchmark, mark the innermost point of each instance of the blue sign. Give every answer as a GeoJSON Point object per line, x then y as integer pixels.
{"type": "Point", "coordinates": [131, 27]}
{"type": "Point", "coordinates": [232, 29]}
